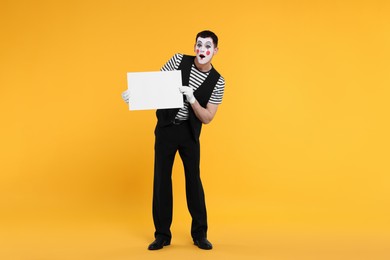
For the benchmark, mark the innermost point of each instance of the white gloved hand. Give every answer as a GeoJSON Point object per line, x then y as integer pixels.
{"type": "Point", "coordinates": [189, 93]}
{"type": "Point", "coordinates": [126, 96]}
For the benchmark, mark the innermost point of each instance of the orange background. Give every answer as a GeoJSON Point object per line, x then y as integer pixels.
{"type": "Point", "coordinates": [295, 161]}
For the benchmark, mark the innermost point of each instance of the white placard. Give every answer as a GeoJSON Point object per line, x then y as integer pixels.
{"type": "Point", "coordinates": [154, 90]}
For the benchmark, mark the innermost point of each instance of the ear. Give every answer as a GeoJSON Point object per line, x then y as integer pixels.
{"type": "Point", "coordinates": [215, 50]}
{"type": "Point", "coordinates": [195, 48]}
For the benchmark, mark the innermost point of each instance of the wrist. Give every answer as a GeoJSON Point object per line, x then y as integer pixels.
{"type": "Point", "coordinates": [192, 99]}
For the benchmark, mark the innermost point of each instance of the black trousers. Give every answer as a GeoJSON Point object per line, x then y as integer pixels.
{"type": "Point", "coordinates": [169, 140]}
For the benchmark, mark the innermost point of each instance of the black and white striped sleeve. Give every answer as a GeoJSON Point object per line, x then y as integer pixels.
{"type": "Point", "coordinates": [173, 63]}
{"type": "Point", "coordinates": [217, 95]}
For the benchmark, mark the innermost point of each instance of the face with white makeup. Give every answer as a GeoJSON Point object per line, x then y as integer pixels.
{"type": "Point", "coordinates": [205, 50]}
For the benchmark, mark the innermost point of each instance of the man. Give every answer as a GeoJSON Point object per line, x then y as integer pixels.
{"type": "Point", "coordinates": [179, 130]}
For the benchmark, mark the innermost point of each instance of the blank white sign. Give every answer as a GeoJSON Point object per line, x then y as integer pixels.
{"type": "Point", "coordinates": [154, 90]}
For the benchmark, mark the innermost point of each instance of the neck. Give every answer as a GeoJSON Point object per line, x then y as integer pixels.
{"type": "Point", "coordinates": [203, 67]}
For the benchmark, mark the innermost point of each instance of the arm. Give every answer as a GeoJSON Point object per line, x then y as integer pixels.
{"type": "Point", "coordinates": [205, 115]}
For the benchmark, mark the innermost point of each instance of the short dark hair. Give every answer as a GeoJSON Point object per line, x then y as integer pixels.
{"type": "Point", "coordinates": [205, 34]}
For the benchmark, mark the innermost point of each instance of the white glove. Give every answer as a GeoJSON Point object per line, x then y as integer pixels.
{"type": "Point", "coordinates": [126, 96]}
{"type": "Point", "coordinates": [189, 93]}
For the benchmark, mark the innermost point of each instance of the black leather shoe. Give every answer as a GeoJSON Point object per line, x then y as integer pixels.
{"type": "Point", "coordinates": [203, 243]}
{"type": "Point", "coordinates": [159, 243]}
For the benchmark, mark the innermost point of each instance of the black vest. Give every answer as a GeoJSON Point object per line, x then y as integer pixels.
{"type": "Point", "coordinates": [202, 95]}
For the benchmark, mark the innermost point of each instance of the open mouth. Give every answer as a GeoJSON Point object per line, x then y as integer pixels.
{"type": "Point", "coordinates": [202, 56]}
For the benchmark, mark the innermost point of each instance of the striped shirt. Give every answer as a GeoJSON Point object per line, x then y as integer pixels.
{"type": "Point", "coordinates": [197, 77]}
